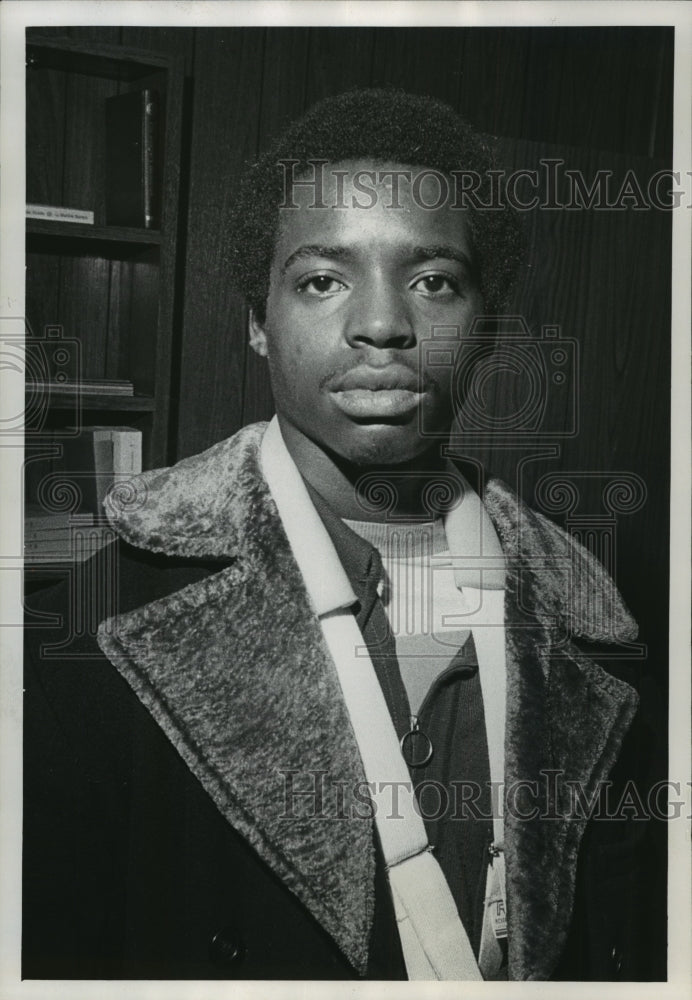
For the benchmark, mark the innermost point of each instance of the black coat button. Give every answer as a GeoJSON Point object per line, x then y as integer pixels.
{"type": "Point", "coordinates": [616, 961]}
{"type": "Point", "coordinates": [226, 948]}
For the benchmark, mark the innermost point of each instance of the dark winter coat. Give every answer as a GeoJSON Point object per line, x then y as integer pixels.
{"type": "Point", "coordinates": [157, 842]}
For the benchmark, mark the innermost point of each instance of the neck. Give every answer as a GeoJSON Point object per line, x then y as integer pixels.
{"type": "Point", "coordinates": [390, 491]}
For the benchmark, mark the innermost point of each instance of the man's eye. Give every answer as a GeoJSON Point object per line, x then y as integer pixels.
{"type": "Point", "coordinates": [320, 285]}
{"type": "Point", "coordinates": [436, 285]}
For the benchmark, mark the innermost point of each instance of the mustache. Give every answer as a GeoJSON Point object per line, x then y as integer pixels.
{"type": "Point", "coordinates": [395, 375]}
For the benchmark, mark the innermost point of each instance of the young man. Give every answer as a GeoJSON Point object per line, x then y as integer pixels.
{"type": "Point", "coordinates": [335, 727]}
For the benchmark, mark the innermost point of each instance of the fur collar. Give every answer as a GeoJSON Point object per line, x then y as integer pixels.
{"type": "Point", "coordinates": [203, 507]}
{"type": "Point", "coordinates": [235, 670]}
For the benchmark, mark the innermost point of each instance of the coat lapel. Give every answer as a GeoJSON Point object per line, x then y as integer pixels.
{"type": "Point", "coordinates": [566, 719]}
{"type": "Point", "coordinates": [235, 670]}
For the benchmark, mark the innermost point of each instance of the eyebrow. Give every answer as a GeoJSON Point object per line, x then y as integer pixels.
{"type": "Point", "coordinates": [316, 250]}
{"type": "Point", "coordinates": [442, 250]}
{"type": "Point", "coordinates": [417, 253]}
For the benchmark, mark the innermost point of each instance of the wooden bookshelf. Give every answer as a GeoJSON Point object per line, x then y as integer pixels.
{"type": "Point", "coordinates": [108, 289]}
{"type": "Point", "coordinates": [93, 235]}
{"type": "Point", "coordinates": [92, 402]}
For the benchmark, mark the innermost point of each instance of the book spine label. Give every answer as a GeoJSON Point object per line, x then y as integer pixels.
{"type": "Point", "coordinates": [59, 214]}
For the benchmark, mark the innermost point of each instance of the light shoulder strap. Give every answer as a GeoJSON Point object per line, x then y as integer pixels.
{"type": "Point", "coordinates": [434, 942]}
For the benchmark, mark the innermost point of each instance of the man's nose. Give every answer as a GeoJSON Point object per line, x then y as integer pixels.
{"type": "Point", "coordinates": [380, 317]}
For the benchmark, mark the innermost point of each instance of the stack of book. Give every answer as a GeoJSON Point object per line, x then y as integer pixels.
{"type": "Point", "coordinates": [62, 538]}
{"type": "Point", "coordinates": [100, 457]}
{"type": "Point", "coordinates": [91, 464]}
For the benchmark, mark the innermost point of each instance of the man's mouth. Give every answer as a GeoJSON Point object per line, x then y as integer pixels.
{"type": "Point", "coordinates": [371, 403]}
{"type": "Point", "coordinates": [366, 393]}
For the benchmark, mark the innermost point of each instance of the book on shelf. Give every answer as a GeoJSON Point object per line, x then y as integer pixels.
{"type": "Point", "coordinates": [83, 386]}
{"type": "Point", "coordinates": [40, 523]}
{"type": "Point", "coordinates": [61, 537]}
{"type": "Point", "coordinates": [88, 465]}
{"type": "Point", "coordinates": [48, 536]}
{"type": "Point", "coordinates": [133, 182]}
{"type": "Point", "coordinates": [80, 544]}
{"type": "Point", "coordinates": [57, 213]}
{"type": "Point", "coordinates": [103, 455]}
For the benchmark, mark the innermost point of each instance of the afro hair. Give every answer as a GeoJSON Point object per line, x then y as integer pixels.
{"type": "Point", "coordinates": [378, 126]}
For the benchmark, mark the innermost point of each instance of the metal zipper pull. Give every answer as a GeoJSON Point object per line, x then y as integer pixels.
{"type": "Point", "coordinates": [416, 746]}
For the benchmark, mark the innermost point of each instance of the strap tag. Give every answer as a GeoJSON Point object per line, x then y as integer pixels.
{"type": "Point", "coordinates": [495, 897]}
{"type": "Point", "coordinates": [491, 955]}
{"type": "Point", "coordinates": [498, 916]}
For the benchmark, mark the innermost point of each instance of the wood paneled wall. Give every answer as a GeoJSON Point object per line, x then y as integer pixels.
{"type": "Point", "coordinates": [605, 89]}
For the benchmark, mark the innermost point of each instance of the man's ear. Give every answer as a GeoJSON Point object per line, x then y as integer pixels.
{"type": "Point", "coordinates": [258, 338]}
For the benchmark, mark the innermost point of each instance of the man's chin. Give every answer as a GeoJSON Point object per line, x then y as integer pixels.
{"type": "Point", "coordinates": [383, 445]}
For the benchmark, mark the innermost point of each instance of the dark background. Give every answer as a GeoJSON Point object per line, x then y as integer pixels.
{"type": "Point", "coordinates": [599, 98]}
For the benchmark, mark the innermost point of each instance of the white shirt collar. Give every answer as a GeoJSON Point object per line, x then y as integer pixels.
{"type": "Point", "coordinates": [326, 582]}
{"type": "Point", "coordinates": [325, 579]}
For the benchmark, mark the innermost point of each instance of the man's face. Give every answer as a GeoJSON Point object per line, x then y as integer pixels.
{"type": "Point", "coordinates": [353, 293]}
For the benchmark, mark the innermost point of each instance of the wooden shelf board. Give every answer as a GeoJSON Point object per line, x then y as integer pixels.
{"type": "Point", "coordinates": [96, 234]}
{"type": "Point", "coordinates": [100, 401]}
{"type": "Point", "coordinates": [92, 59]}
